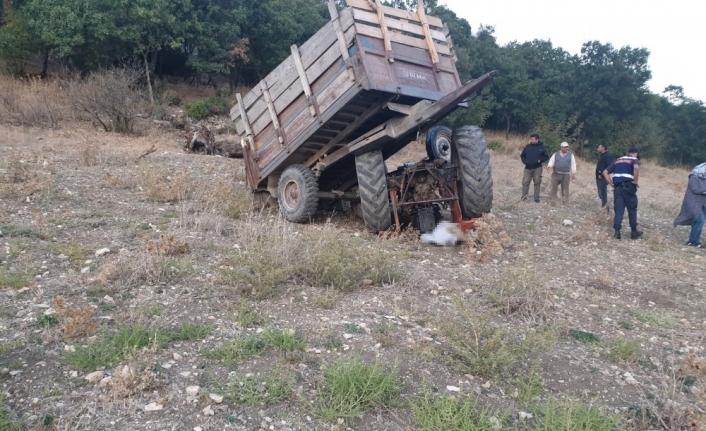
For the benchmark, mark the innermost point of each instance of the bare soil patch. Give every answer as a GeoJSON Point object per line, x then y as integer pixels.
{"type": "Point", "coordinates": [532, 309]}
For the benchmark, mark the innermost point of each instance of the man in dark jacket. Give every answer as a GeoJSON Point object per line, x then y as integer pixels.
{"type": "Point", "coordinates": [604, 160]}
{"type": "Point", "coordinates": [693, 208]}
{"type": "Point", "coordinates": [533, 156]}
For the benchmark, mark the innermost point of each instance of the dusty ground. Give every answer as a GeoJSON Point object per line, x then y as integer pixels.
{"type": "Point", "coordinates": [66, 194]}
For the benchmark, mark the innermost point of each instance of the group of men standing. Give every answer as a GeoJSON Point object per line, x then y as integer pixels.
{"type": "Point", "coordinates": [622, 173]}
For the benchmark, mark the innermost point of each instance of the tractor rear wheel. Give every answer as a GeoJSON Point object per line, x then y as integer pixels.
{"type": "Point", "coordinates": [372, 187]}
{"type": "Point", "coordinates": [298, 194]}
{"type": "Point", "coordinates": [475, 180]}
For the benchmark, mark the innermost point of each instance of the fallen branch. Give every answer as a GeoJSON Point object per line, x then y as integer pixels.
{"type": "Point", "coordinates": [146, 153]}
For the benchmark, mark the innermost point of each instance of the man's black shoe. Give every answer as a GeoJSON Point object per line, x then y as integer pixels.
{"type": "Point", "coordinates": [636, 234]}
{"type": "Point", "coordinates": [536, 201]}
{"type": "Point", "coordinates": [617, 234]}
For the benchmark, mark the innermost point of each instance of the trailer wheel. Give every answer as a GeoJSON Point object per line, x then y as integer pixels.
{"type": "Point", "coordinates": [438, 143]}
{"type": "Point", "coordinates": [298, 194]}
{"type": "Point", "coordinates": [475, 180]}
{"type": "Point", "coordinates": [372, 186]}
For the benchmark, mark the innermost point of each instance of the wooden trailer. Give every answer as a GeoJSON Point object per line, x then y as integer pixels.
{"type": "Point", "coordinates": [370, 80]}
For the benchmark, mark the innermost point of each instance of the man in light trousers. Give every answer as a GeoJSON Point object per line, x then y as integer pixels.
{"type": "Point", "coordinates": [562, 165]}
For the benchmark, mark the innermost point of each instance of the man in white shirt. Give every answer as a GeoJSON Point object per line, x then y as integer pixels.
{"type": "Point", "coordinates": [562, 165]}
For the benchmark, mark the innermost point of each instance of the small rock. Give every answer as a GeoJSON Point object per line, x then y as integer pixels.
{"type": "Point", "coordinates": [102, 252]}
{"type": "Point", "coordinates": [192, 390]}
{"type": "Point", "coordinates": [216, 398]}
{"type": "Point", "coordinates": [73, 373]}
{"type": "Point", "coordinates": [347, 336]}
{"type": "Point", "coordinates": [177, 357]}
{"type": "Point", "coordinates": [94, 377]}
{"type": "Point", "coordinates": [15, 372]}
{"type": "Point", "coordinates": [166, 365]}
{"type": "Point", "coordinates": [108, 299]}
{"type": "Point", "coordinates": [198, 429]}
{"type": "Point", "coordinates": [85, 270]}
{"type": "Point", "coordinates": [207, 411]}
{"type": "Point", "coordinates": [453, 388]}
{"type": "Point", "coordinates": [105, 381]}
{"type": "Point", "coordinates": [151, 407]}
{"type": "Point", "coordinates": [524, 415]}
{"type": "Point", "coordinates": [567, 222]}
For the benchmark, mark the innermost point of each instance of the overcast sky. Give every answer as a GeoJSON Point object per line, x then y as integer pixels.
{"type": "Point", "coordinates": [673, 31]}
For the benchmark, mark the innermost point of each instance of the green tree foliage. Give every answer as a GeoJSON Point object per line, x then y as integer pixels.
{"type": "Point", "coordinates": [598, 95]}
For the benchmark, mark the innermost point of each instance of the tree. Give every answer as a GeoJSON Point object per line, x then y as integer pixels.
{"type": "Point", "coordinates": [154, 25]}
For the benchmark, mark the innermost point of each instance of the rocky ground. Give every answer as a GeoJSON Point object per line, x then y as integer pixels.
{"type": "Point", "coordinates": [97, 240]}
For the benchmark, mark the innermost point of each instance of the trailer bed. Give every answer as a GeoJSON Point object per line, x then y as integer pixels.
{"type": "Point", "coordinates": [340, 85]}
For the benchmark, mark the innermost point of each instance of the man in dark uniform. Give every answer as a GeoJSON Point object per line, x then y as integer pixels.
{"type": "Point", "coordinates": [623, 175]}
{"type": "Point", "coordinates": [604, 160]}
{"type": "Point", "coordinates": [533, 156]}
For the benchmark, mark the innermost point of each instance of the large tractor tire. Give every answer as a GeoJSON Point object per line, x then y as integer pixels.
{"type": "Point", "coordinates": [475, 180]}
{"type": "Point", "coordinates": [372, 187]}
{"type": "Point", "coordinates": [438, 143]}
{"type": "Point", "coordinates": [298, 194]}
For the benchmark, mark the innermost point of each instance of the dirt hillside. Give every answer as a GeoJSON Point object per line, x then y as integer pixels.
{"type": "Point", "coordinates": [146, 294]}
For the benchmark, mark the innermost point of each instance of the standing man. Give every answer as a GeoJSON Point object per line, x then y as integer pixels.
{"type": "Point", "coordinates": [604, 160]}
{"type": "Point", "coordinates": [625, 173]}
{"type": "Point", "coordinates": [693, 207]}
{"type": "Point", "coordinates": [562, 165]}
{"type": "Point", "coordinates": [533, 156]}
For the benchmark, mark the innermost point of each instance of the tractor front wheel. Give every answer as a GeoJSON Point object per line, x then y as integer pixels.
{"type": "Point", "coordinates": [475, 177]}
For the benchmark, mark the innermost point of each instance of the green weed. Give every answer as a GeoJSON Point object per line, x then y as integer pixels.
{"type": "Point", "coordinates": [623, 350]}
{"type": "Point", "coordinates": [263, 391]}
{"type": "Point", "coordinates": [350, 388]}
{"type": "Point", "coordinates": [285, 340]}
{"type": "Point", "coordinates": [572, 415]}
{"type": "Point", "coordinates": [47, 320]}
{"type": "Point", "coordinates": [584, 337]}
{"type": "Point", "coordinates": [110, 349]}
{"type": "Point", "coordinates": [236, 351]}
{"type": "Point", "coordinates": [190, 331]}
{"type": "Point", "coordinates": [15, 280]}
{"type": "Point", "coordinates": [472, 343]}
{"type": "Point", "coordinates": [352, 328]}
{"type": "Point", "coordinates": [434, 413]}
{"type": "Point", "coordinates": [248, 317]}
{"type": "Point", "coordinates": [7, 420]}
{"type": "Point", "coordinates": [529, 386]}
{"type": "Point", "coordinates": [663, 320]}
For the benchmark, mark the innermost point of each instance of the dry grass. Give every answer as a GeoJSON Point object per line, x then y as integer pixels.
{"type": "Point", "coordinates": [161, 185]}
{"type": "Point", "coordinates": [488, 240]}
{"type": "Point", "coordinates": [521, 292]}
{"type": "Point", "coordinates": [32, 102]}
{"type": "Point", "coordinates": [135, 377]}
{"type": "Point", "coordinates": [166, 245]}
{"type": "Point", "coordinates": [22, 177]}
{"type": "Point", "coordinates": [473, 344]}
{"type": "Point", "coordinates": [74, 322]}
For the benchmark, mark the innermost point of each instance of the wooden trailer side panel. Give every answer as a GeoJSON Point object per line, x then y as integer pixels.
{"type": "Point", "coordinates": [283, 95]}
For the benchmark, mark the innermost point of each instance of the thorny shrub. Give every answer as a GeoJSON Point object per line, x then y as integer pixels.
{"type": "Point", "coordinates": [520, 292]}
{"type": "Point", "coordinates": [74, 321]}
{"type": "Point", "coordinates": [113, 98]}
{"type": "Point", "coordinates": [488, 240]}
{"type": "Point", "coordinates": [474, 344]}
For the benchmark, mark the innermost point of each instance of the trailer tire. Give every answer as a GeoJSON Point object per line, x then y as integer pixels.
{"type": "Point", "coordinates": [438, 143]}
{"type": "Point", "coordinates": [298, 194]}
{"type": "Point", "coordinates": [372, 187]}
{"type": "Point", "coordinates": [475, 180]}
